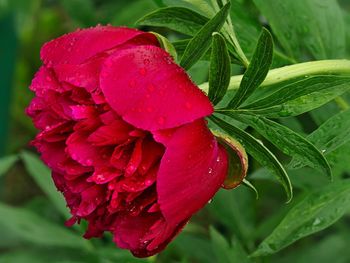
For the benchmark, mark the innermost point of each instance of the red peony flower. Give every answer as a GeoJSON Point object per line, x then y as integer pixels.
{"type": "Point", "coordinates": [122, 128]}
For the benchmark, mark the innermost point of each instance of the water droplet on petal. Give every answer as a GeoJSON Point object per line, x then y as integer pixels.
{"type": "Point", "coordinates": [210, 170]}
{"type": "Point", "coordinates": [89, 162]}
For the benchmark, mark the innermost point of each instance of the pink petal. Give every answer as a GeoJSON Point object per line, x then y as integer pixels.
{"type": "Point", "coordinates": [145, 86]}
{"type": "Point", "coordinates": [76, 47]}
{"type": "Point", "coordinates": [191, 171]}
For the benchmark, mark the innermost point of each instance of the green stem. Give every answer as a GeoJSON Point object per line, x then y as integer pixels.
{"type": "Point", "coordinates": [342, 104]}
{"type": "Point", "coordinates": [278, 75]}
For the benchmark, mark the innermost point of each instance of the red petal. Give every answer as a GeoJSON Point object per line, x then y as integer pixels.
{"type": "Point", "coordinates": [115, 133]}
{"type": "Point", "coordinates": [191, 171]}
{"type": "Point", "coordinates": [145, 235]}
{"type": "Point", "coordinates": [82, 75]}
{"type": "Point", "coordinates": [76, 47]}
{"type": "Point", "coordinates": [146, 87]}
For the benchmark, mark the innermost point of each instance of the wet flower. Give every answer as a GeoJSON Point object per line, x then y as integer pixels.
{"type": "Point", "coordinates": [122, 128]}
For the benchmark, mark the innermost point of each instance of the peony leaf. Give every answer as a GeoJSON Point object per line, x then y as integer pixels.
{"type": "Point", "coordinates": [288, 141]}
{"type": "Point", "coordinates": [220, 69]}
{"type": "Point", "coordinates": [248, 184]}
{"type": "Point", "coordinates": [179, 19]}
{"type": "Point", "coordinates": [256, 71]}
{"type": "Point", "coordinates": [262, 154]}
{"type": "Point", "coordinates": [330, 135]}
{"type": "Point", "coordinates": [200, 43]}
{"type": "Point", "coordinates": [32, 228]}
{"type": "Point", "coordinates": [300, 96]}
{"type": "Point", "coordinates": [315, 212]}
{"type": "Point", "coordinates": [166, 45]}
{"type": "Point", "coordinates": [225, 252]}
{"type": "Point", "coordinates": [306, 25]}
{"type": "Point", "coordinates": [6, 163]}
{"type": "Point", "coordinates": [42, 176]}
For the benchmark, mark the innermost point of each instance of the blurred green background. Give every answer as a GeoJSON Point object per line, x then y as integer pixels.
{"type": "Point", "coordinates": [32, 213]}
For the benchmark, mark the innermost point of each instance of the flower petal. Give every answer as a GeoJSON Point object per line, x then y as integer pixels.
{"type": "Point", "coordinates": [76, 47]}
{"type": "Point", "coordinates": [191, 171]}
{"type": "Point", "coordinates": [145, 86]}
{"type": "Point", "coordinates": [137, 233]}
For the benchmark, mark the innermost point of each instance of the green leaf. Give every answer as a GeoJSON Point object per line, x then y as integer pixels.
{"type": "Point", "coordinates": [328, 249]}
{"type": "Point", "coordinates": [220, 69]}
{"type": "Point", "coordinates": [6, 163]}
{"type": "Point", "coordinates": [32, 228]}
{"type": "Point", "coordinates": [166, 45]}
{"type": "Point", "coordinates": [314, 213]}
{"type": "Point", "coordinates": [256, 71]}
{"type": "Point", "coordinates": [248, 184]}
{"type": "Point", "coordinates": [314, 26]}
{"type": "Point", "coordinates": [330, 135]}
{"type": "Point", "coordinates": [238, 218]}
{"type": "Point", "coordinates": [200, 43]}
{"type": "Point", "coordinates": [288, 141]}
{"type": "Point", "coordinates": [333, 133]}
{"type": "Point", "coordinates": [301, 96]}
{"type": "Point", "coordinates": [194, 247]}
{"type": "Point", "coordinates": [221, 247]}
{"type": "Point", "coordinates": [179, 19]}
{"type": "Point", "coordinates": [202, 6]}
{"type": "Point", "coordinates": [42, 176]}
{"type": "Point", "coordinates": [224, 251]}
{"type": "Point", "coordinates": [44, 254]}
{"type": "Point", "coordinates": [262, 154]}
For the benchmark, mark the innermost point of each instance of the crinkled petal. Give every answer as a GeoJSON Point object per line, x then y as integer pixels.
{"type": "Point", "coordinates": [76, 47]}
{"type": "Point", "coordinates": [191, 171]}
{"type": "Point", "coordinates": [145, 86]}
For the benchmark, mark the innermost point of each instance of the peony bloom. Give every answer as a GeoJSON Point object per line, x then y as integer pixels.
{"type": "Point", "coordinates": [122, 128]}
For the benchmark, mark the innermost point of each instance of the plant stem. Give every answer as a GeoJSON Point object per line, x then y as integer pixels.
{"type": "Point", "coordinates": [321, 67]}
{"type": "Point", "coordinates": [342, 104]}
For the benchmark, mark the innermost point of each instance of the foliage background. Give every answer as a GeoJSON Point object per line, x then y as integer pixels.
{"type": "Point", "coordinates": [233, 224]}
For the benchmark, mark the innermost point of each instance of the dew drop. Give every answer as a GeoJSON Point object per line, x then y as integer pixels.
{"type": "Point", "coordinates": [210, 170]}
{"type": "Point", "coordinates": [100, 177]}
{"type": "Point", "coordinates": [148, 182]}
{"type": "Point", "coordinates": [89, 162]}
{"type": "Point", "coordinates": [316, 222]}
